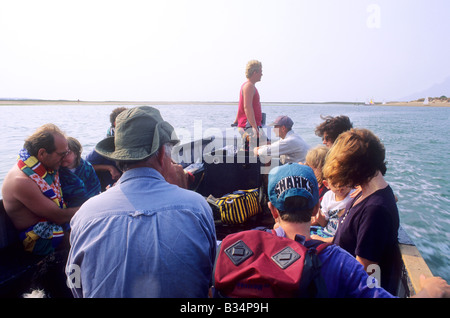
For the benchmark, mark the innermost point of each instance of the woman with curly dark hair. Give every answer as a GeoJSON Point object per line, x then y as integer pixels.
{"type": "Point", "coordinates": [332, 127]}
{"type": "Point", "coordinates": [368, 228]}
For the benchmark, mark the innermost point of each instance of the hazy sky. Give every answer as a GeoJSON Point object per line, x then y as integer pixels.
{"type": "Point", "coordinates": [196, 50]}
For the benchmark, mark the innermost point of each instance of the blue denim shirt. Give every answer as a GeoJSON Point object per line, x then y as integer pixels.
{"type": "Point", "coordinates": [143, 237]}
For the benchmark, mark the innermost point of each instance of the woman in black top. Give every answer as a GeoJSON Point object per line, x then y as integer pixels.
{"type": "Point", "coordinates": [368, 229]}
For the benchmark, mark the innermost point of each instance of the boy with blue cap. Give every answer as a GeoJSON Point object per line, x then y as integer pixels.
{"type": "Point", "coordinates": [294, 198]}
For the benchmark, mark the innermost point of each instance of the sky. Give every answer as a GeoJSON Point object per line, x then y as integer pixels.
{"type": "Point", "coordinates": [197, 50]}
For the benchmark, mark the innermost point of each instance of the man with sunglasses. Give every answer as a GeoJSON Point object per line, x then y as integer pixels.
{"type": "Point", "coordinates": [32, 192]}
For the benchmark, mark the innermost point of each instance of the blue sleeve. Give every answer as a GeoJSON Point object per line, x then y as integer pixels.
{"type": "Point", "coordinates": [96, 159]}
{"type": "Point", "coordinates": [345, 277]}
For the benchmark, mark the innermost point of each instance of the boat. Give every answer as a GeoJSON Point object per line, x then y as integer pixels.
{"type": "Point", "coordinates": [370, 102]}
{"type": "Point", "coordinates": [222, 166]}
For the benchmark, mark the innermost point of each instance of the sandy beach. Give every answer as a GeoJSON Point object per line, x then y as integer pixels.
{"type": "Point", "coordinates": [433, 103]}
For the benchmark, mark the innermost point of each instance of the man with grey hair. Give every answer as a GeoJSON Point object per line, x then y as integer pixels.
{"type": "Point", "coordinates": [144, 237]}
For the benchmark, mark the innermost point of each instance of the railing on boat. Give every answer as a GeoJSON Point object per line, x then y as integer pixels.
{"type": "Point", "coordinates": [413, 266]}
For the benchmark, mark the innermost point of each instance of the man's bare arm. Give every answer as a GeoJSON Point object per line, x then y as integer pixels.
{"type": "Point", "coordinates": [28, 193]}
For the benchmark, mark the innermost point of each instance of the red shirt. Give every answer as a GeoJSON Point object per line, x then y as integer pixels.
{"type": "Point", "coordinates": [242, 118]}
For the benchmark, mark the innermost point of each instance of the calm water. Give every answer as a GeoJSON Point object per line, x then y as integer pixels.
{"type": "Point", "coordinates": [416, 141]}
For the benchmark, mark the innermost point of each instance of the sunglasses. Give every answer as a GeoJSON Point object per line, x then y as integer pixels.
{"type": "Point", "coordinates": [63, 154]}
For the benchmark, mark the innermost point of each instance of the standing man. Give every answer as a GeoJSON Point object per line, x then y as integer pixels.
{"type": "Point", "coordinates": [290, 148]}
{"type": "Point", "coordinates": [32, 191]}
{"type": "Point", "coordinates": [249, 116]}
{"type": "Point", "coordinates": [144, 237]}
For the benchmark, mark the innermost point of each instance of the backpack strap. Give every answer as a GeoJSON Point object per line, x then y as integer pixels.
{"type": "Point", "coordinates": [312, 283]}
{"type": "Point", "coordinates": [213, 281]}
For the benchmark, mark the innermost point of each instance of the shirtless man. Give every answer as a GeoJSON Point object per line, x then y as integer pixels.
{"type": "Point", "coordinates": [24, 201]}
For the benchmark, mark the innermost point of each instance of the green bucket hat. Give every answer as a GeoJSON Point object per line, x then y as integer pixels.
{"type": "Point", "coordinates": [139, 133]}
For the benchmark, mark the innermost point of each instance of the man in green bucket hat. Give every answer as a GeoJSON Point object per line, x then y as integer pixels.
{"type": "Point", "coordinates": [146, 236]}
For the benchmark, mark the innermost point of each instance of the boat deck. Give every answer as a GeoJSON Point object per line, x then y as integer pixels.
{"type": "Point", "coordinates": [17, 267]}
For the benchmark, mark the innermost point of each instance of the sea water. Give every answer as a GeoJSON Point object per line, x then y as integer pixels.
{"type": "Point", "coordinates": [415, 138]}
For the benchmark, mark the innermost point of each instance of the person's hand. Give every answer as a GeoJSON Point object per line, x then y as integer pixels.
{"type": "Point", "coordinates": [433, 287]}
{"type": "Point", "coordinates": [115, 174]}
{"type": "Point", "coordinates": [255, 151]}
{"type": "Point", "coordinates": [178, 176]}
{"type": "Point", "coordinates": [256, 132]}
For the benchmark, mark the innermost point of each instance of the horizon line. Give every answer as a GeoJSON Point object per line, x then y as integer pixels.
{"type": "Point", "coordinates": [175, 102]}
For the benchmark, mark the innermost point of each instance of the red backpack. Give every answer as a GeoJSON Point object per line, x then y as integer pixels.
{"type": "Point", "coordinates": [260, 264]}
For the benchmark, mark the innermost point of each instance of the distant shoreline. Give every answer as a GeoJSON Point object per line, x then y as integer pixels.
{"type": "Point", "coordinates": [419, 104]}
{"type": "Point", "coordinates": [72, 102]}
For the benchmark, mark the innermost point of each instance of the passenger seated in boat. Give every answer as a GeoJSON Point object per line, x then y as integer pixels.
{"type": "Point", "coordinates": [292, 204]}
{"type": "Point", "coordinates": [289, 148]}
{"type": "Point", "coordinates": [79, 181]}
{"type": "Point", "coordinates": [332, 127]}
{"type": "Point", "coordinates": [146, 236]}
{"type": "Point", "coordinates": [315, 159]}
{"type": "Point", "coordinates": [32, 192]}
{"type": "Point", "coordinates": [325, 223]}
{"type": "Point", "coordinates": [292, 210]}
{"type": "Point", "coordinates": [112, 120]}
{"type": "Point", "coordinates": [106, 170]}
{"type": "Point", "coordinates": [368, 229]}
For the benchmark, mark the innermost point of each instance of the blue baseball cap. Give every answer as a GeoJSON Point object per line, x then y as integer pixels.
{"type": "Point", "coordinates": [291, 180]}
